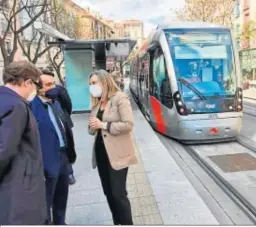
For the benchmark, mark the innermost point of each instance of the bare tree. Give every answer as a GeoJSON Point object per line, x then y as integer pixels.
{"type": "Point", "coordinates": [11, 10]}
{"type": "Point", "coordinates": [34, 48]}
{"type": "Point", "coordinates": [37, 46]}
{"type": "Point", "coordinates": [213, 11]}
{"type": "Point", "coordinates": [62, 20]}
{"type": "Point", "coordinates": [55, 61]}
{"type": "Point", "coordinates": [67, 24]}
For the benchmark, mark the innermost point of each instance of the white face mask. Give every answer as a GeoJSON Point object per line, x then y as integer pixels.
{"type": "Point", "coordinates": [32, 96]}
{"type": "Point", "coordinates": [95, 91]}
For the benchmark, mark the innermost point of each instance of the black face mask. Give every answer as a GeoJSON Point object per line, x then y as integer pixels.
{"type": "Point", "coordinates": [52, 94]}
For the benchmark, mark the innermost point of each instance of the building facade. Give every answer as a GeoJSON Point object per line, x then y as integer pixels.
{"type": "Point", "coordinates": [128, 29]}
{"type": "Point", "coordinates": [90, 24]}
{"type": "Point", "coordinates": [245, 32]}
{"type": "Point", "coordinates": [245, 24]}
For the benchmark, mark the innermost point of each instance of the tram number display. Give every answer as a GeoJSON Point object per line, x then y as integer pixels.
{"type": "Point", "coordinates": [213, 116]}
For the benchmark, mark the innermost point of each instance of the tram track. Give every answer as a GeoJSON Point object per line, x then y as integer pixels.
{"type": "Point", "coordinates": [243, 143]}
{"type": "Point", "coordinates": [245, 205]}
{"type": "Point", "coordinates": [249, 109]}
{"type": "Point", "coordinates": [250, 98]}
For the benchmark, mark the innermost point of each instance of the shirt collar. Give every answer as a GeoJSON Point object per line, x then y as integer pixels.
{"type": "Point", "coordinates": [44, 100]}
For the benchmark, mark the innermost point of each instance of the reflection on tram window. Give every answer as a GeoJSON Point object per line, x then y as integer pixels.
{"type": "Point", "coordinates": [162, 88]}
{"type": "Point", "coordinates": [205, 62]}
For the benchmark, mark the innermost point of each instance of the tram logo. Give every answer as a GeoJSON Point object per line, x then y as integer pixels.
{"type": "Point", "coordinates": [210, 106]}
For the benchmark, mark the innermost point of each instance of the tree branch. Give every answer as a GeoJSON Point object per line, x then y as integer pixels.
{"type": "Point", "coordinates": [32, 20]}
{"type": "Point", "coordinates": [25, 52]}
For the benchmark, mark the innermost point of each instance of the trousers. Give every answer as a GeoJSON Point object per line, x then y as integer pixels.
{"type": "Point", "coordinates": [57, 193]}
{"type": "Point", "coordinates": [114, 186]}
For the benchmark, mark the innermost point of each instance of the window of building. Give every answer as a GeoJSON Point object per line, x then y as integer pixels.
{"type": "Point", "coordinates": [127, 34]}
{"type": "Point", "coordinates": [246, 4]}
{"type": "Point", "coordinates": [161, 87]}
{"type": "Point", "coordinates": [238, 28]}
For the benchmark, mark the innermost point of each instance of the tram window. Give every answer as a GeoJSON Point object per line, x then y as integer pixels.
{"type": "Point", "coordinates": [162, 88]}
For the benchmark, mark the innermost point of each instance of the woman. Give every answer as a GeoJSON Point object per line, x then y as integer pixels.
{"type": "Point", "coordinates": [111, 122]}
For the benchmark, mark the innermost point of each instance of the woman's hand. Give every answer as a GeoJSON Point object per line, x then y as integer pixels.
{"type": "Point", "coordinates": [95, 123]}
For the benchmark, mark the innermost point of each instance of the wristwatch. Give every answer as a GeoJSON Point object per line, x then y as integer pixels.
{"type": "Point", "coordinates": [105, 125]}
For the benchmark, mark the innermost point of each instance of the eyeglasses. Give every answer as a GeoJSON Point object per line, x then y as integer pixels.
{"type": "Point", "coordinates": [38, 84]}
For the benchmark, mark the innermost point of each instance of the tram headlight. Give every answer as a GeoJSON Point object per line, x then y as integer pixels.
{"type": "Point", "coordinates": [180, 103]}
{"type": "Point", "coordinates": [181, 108]}
{"type": "Point", "coordinates": [239, 100]}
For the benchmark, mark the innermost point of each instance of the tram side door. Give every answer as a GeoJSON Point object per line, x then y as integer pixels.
{"type": "Point", "coordinates": [136, 72]}
{"type": "Point", "coordinates": [145, 81]}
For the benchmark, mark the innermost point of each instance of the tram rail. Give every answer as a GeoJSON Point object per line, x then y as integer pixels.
{"type": "Point", "coordinates": [246, 206]}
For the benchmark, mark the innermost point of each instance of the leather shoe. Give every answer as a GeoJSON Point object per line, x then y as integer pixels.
{"type": "Point", "coordinates": [72, 179]}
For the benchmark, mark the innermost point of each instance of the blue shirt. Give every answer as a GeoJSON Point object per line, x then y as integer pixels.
{"type": "Point", "coordinates": [55, 124]}
{"type": "Point", "coordinates": [53, 119]}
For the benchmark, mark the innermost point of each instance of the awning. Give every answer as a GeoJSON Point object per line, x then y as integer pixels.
{"type": "Point", "coordinates": [49, 30]}
{"type": "Point", "coordinates": [92, 42]}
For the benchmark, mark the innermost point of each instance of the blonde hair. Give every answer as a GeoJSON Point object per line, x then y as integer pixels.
{"type": "Point", "coordinates": [109, 86]}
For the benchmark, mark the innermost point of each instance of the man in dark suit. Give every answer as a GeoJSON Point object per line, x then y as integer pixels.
{"type": "Point", "coordinates": [22, 187]}
{"type": "Point", "coordinates": [61, 95]}
{"type": "Point", "coordinates": [57, 147]}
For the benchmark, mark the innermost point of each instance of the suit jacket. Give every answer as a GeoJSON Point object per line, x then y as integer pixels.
{"type": "Point", "coordinates": [50, 144]}
{"type": "Point", "coordinates": [22, 187]}
{"type": "Point", "coordinates": [118, 140]}
{"type": "Point", "coordinates": [65, 103]}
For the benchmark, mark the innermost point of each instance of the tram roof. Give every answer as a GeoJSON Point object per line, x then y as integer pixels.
{"type": "Point", "coordinates": [189, 25]}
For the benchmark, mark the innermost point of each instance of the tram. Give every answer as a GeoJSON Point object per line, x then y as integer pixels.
{"type": "Point", "coordinates": [186, 79]}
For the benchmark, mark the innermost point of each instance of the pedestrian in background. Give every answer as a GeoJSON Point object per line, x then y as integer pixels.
{"type": "Point", "coordinates": [61, 95]}
{"type": "Point", "coordinates": [118, 78]}
{"type": "Point", "coordinates": [57, 147]}
{"type": "Point", "coordinates": [22, 188]}
{"type": "Point", "coordinates": [111, 121]}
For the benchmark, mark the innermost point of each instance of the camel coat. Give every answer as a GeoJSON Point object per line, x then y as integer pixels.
{"type": "Point", "coordinates": [118, 140]}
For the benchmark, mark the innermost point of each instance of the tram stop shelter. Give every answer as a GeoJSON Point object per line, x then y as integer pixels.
{"type": "Point", "coordinates": [81, 57]}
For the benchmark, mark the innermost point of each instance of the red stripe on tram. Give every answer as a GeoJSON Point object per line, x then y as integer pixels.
{"type": "Point", "coordinates": [158, 114]}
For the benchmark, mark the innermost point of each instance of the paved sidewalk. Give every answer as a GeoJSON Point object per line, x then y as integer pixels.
{"type": "Point", "coordinates": [87, 203]}
{"type": "Point", "coordinates": [158, 189]}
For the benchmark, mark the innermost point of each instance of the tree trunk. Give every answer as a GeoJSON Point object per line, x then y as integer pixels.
{"type": "Point", "coordinates": [59, 75]}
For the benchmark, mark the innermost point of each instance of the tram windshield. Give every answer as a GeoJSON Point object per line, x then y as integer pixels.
{"type": "Point", "coordinates": [204, 64]}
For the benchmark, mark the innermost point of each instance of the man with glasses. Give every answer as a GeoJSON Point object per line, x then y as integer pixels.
{"type": "Point", "coordinates": [57, 147]}
{"type": "Point", "coordinates": [22, 187]}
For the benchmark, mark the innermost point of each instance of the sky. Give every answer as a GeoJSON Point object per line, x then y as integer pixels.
{"type": "Point", "coordinates": [151, 12]}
